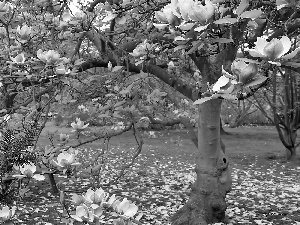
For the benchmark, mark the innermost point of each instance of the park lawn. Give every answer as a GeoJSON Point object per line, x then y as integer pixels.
{"type": "Point", "coordinates": [264, 191]}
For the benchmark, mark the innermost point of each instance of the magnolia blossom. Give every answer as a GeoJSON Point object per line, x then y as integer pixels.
{"type": "Point", "coordinates": [4, 7]}
{"type": "Point", "coordinates": [94, 197]}
{"type": "Point", "coordinates": [193, 10]}
{"type": "Point", "coordinates": [19, 59]}
{"type": "Point", "coordinates": [63, 137]}
{"type": "Point", "coordinates": [79, 125]}
{"type": "Point", "coordinates": [78, 199]}
{"type": "Point", "coordinates": [6, 213]}
{"type": "Point", "coordinates": [28, 170]}
{"type": "Point", "coordinates": [167, 16]}
{"type": "Point", "coordinates": [83, 213]}
{"type": "Point", "coordinates": [50, 57]}
{"type": "Point", "coordinates": [274, 50]}
{"type": "Point", "coordinates": [243, 71]}
{"type": "Point", "coordinates": [125, 207]}
{"type": "Point", "coordinates": [110, 201]}
{"type": "Point", "coordinates": [66, 159]}
{"type": "Point", "coordinates": [142, 49]}
{"type": "Point", "coordinates": [24, 32]}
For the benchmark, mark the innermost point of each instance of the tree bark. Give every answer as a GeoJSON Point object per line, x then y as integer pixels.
{"type": "Point", "coordinates": [207, 200]}
{"type": "Point", "coordinates": [291, 154]}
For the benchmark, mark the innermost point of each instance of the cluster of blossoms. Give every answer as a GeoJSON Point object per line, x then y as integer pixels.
{"type": "Point", "coordinates": [90, 206]}
{"type": "Point", "coordinates": [245, 71]}
{"type": "Point", "coordinates": [187, 10]}
{"type": "Point", "coordinates": [27, 170]}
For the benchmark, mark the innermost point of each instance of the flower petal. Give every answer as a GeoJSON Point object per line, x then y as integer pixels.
{"type": "Point", "coordinates": [291, 55]}
{"type": "Point", "coordinates": [260, 45]}
{"type": "Point", "coordinates": [81, 211]}
{"type": "Point", "coordinates": [286, 43]}
{"type": "Point", "coordinates": [273, 49]}
{"type": "Point", "coordinates": [256, 54]}
{"type": "Point", "coordinates": [222, 81]}
{"type": "Point", "coordinates": [19, 176]}
{"type": "Point", "coordinates": [131, 211]}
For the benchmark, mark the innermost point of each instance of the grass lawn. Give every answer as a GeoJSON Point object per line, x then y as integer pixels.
{"type": "Point", "coordinates": [264, 191]}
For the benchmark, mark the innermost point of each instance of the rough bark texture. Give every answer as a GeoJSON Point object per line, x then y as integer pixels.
{"type": "Point", "coordinates": [207, 201]}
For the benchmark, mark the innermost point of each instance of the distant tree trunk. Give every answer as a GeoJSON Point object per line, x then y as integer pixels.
{"type": "Point", "coordinates": [207, 200]}
{"type": "Point", "coordinates": [291, 154]}
{"type": "Point", "coordinates": [222, 131]}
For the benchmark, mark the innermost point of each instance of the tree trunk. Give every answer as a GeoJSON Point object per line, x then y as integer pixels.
{"type": "Point", "coordinates": [222, 131]}
{"type": "Point", "coordinates": [207, 200]}
{"type": "Point", "coordinates": [291, 154]}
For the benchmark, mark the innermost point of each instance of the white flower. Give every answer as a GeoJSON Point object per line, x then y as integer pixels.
{"type": "Point", "coordinates": [50, 57]}
{"type": "Point", "coordinates": [66, 159]}
{"type": "Point", "coordinates": [193, 10]}
{"type": "Point", "coordinates": [4, 7]}
{"type": "Point", "coordinates": [274, 50]}
{"type": "Point", "coordinates": [201, 13]}
{"type": "Point", "coordinates": [28, 170]}
{"type": "Point", "coordinates": [167, 16]}
{"type": "Point", "coordinates": [6, 213]}
{"type": "Point", "coordinates": [83, 214]}
{"type": "Point", "coordinates": [24, 32]}
{"type": "Point", "coordinates": [63, 137]}
{"type": "Point", "coordinates": [94, 197]}
{"type": "Point", "coordinates": [129, 209]}
{"type": "Point", "coordinates": [79, 125]}
{"type": "Point", "coordinates": [243, 71]}
{"type": "Point", "coordinates": [19, 59]}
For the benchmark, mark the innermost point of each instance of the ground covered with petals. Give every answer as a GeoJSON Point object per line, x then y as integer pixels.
{"type": "Point", "coordinates": [265, 190]}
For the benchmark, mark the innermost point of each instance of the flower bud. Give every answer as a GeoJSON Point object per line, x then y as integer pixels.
{"type": "Point", "coordinates": [243, 71]}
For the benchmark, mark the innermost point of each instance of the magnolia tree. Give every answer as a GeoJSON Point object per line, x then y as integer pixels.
{"type": "Point", "coordinates": [47, 43]}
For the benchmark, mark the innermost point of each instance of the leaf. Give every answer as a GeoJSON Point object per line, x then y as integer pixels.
{"type": "Point", "coordinates": [187, 26]}
{"type": "Point", "coordinates": [292, 64]}
{"type": "Point", "coordinates": [160, 26]}
{"type": "Point", "coordinates": [116, 68]}
{"type": "Point", "coordinates": [202, 100]}
{"type": "Point", "coordinates": [222, 40]}
{"type": "Point", "coordinates": [253, 14]}
{"type": "Point", "coordinates": [201, 28]}
{"type": "Point", "coordinates": [228, 96]}
{"type": "Point", "coordinates": [196, 46]}
{"type": "Point", "coordinates": [226, 20]}
{"type": "Point", "coordinates": [257, 81]}
{"type": "Point", "coordinates": [242, 6]}
{"type": "Point", "coordinates": [248, 60]}
{"type": "Point", "coordinates": [179, 47]}
{"type": "Point", "coordinates": [78, 62]}
{"type": "Point", "coordinates": [119, 103]}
